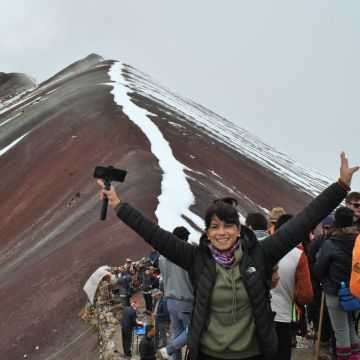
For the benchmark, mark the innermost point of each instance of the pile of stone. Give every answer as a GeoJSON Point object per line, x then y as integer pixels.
{"type": "Point", "coordinates": [105, 310]}
{"type": "Point", "coordinates": [104, 314]}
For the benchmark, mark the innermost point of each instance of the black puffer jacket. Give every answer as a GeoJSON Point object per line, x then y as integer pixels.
{"type": "Point", "coordinates": [333, 264]}
{"type": "Point", "coordinates": [313, 249]}
{"type": "Point", "coordinates": [198, 261]}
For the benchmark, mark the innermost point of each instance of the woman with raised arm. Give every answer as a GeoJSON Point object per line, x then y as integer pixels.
{"type": "Point", "coordinates": [230, 271]}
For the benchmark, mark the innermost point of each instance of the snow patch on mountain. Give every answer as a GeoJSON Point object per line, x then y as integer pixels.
{"type": "Point", "coordinates": [8, 120]}
{"type": "Point", "coordinates": [302, 176]}
{"type": "Point", "coordinates": [7, 148]}
{"type": "Point", "coordinates": [9, 104]}
{"type": "Point", "coordinates": [176, 196]}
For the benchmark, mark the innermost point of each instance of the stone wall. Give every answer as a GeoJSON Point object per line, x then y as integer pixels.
{"type": "Point", "coordinates": [105, 314]}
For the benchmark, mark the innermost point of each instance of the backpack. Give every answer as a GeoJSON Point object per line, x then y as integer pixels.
{"type": "Point", "coordinates": [347, 301]}
{"type": "Point", "coordinates": [355, 269]}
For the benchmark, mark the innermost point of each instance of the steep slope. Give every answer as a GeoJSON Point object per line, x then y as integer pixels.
{"type": "Point", "coordinates": [11, 85]}
{"type": "Point", "coordinates": [179, 157]}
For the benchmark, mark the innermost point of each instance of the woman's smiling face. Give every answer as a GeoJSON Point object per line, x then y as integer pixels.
{"type": "Point", "coordinates": [221, 234]}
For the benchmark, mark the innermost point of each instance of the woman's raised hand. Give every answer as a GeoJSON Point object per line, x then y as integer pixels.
{"type": "Point", "coordinates": [110, 194]}
{"type": "Point", "coordinates": [346, 173]}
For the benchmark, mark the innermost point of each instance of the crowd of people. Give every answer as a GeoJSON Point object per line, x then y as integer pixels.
{"type": "Point", "coordinates": [245, 291]}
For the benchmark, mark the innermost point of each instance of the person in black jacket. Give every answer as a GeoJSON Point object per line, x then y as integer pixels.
{"type": "Point", "coordinates": [162, 318]}
{"type": "Point", "coordinates": [327, 333]}
{"type": "Point", "coordinates": [128, 322]}
{"type": "Point", "coordinates": [125, 286]}
{"type": "Point", "coordinates": [332, 267]}
{"type": "Point", "coordinates": [147, 347]}
{"type": "Point", "coordinates": [230, 271]}
{"type": "Point", "coordinates": [148, 284]}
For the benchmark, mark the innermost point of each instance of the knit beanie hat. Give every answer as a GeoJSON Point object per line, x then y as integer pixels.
{"type": "Point", "coordinates": [343, 217]}
{"type": "Point", "coordinates": [275, 213]}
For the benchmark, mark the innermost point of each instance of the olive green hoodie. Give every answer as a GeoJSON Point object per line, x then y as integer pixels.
{"type": "Point", "coordinates": [231, 330]}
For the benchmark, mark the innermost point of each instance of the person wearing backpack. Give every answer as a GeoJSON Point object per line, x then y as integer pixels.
{"type": "Point", "coordinates": [231, 270]}
{"type": "Point", "coordinates": [333, 269]}
{"type": "Point", "coordinates": [327, 337]}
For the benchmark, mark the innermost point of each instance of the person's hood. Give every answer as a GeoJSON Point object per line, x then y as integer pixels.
{"type": "Point", "coordinates": [261, 234]}
{"type": "Point", "coordinates": [345, 242]}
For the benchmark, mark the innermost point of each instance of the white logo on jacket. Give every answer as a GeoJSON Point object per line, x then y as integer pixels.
{"type": "Point", "coordinates": [250, 270]}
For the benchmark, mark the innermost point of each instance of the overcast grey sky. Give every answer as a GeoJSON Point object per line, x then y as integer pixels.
{"type": "Point", "coordinates": [287, 71]}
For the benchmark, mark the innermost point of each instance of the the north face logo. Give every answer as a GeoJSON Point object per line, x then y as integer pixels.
{"type": "Point", "coordinates": [250, 269]}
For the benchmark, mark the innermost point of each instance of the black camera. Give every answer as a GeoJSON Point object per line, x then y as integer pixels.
{"type": "Point", "coordinates": [108, 174]}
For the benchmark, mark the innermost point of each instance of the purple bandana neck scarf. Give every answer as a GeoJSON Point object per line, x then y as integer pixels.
{"type": "Point", "coordinates": [224, 258]}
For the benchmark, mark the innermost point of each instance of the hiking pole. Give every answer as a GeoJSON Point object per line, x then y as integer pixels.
{"type": "Point", "coordinates": [320, 326]}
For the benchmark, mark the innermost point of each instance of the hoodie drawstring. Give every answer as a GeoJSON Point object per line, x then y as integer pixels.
{"type": "Point", "coordinates": [233, 287]}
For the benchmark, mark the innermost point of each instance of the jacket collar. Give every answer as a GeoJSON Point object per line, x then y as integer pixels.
{"type": "Point", "coordinates": [248, 237]}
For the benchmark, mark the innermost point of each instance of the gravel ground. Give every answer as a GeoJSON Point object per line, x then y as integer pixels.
{"type": "Point", "coordinates": [305, 350]}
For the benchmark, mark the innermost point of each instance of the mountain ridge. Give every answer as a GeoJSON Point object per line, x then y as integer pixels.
{"type": "Point", "coordinates": [51, 138]}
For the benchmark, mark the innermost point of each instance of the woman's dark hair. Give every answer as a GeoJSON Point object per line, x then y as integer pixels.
{"type": "Point", "coordinates": [341, 232]}
{"type": "Point", "coordinates": [224, 209]}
